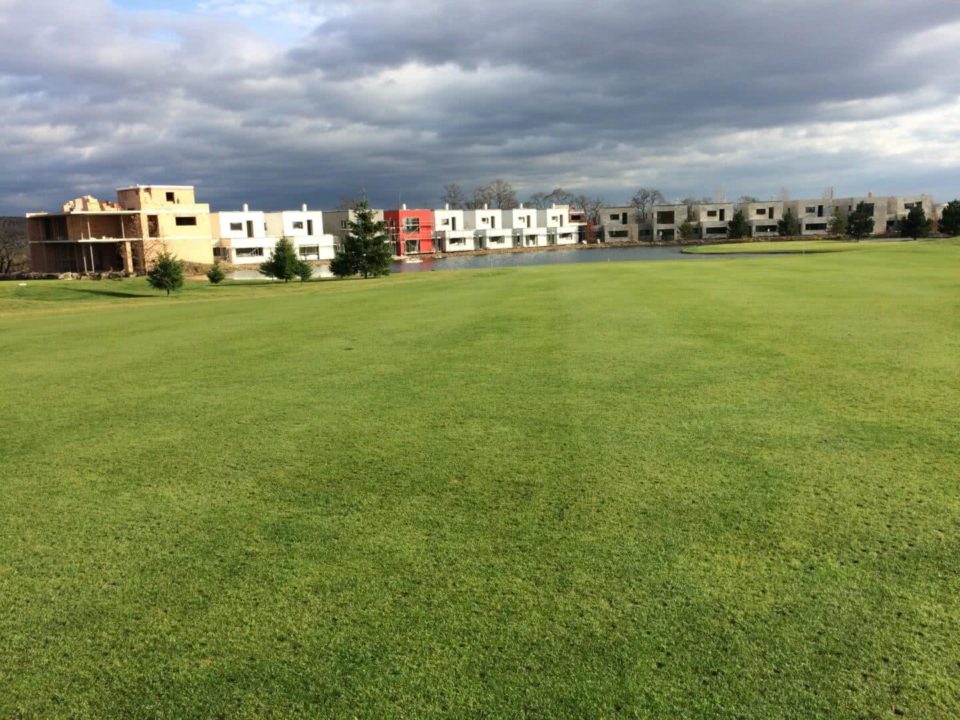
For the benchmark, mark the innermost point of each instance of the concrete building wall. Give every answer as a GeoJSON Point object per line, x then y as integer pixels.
{"type": "Point", "coordinates": [666, 221]}
{"type": "Point", "coordinates": [880, 209]}
{"type": "Point", "coordinates": [620, 224]}
{"type": "Point", "coordinates": [763, 217]}
{"type": "Point", "coordinates": [335, 222]}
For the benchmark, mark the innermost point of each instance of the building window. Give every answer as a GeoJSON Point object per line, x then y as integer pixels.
{"type": "Point", "coordinates": [171, 197]}
{"type": "Point", "coordinates": [411, 224]}
{"type": "Point", "coordinates": [810, 210]}
{"type": "Point", "coordinates": [711, 213]}
{"type": "Point", "coordinates": [343, 224]}
{"type": "Point", "coordinates": [762, 212]}
{"type": "Point", "coordinates": [445, 221]}
{"type": "Point", "coordinates": [249, 252]}
{"type": "Point", "coordinates": [186, 221]}
{"type": "Point", "coordinates": [236, 227]}
{"type": "Point", "coordinates": [665, 217]}
{"type": "Point", "coordinates": [298, 225]}
{"type": "Point", "coordinates": [310, 251]}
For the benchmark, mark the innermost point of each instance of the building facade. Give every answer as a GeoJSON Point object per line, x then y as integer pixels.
{"type": "Point", "coordinates": [247, 237]}
{"type": "Point", "coordinates": [89, 235]}
{"type": "Point", "coordinates": [410, 230]}
{"type": "Point", "coordinates": [450, 231]}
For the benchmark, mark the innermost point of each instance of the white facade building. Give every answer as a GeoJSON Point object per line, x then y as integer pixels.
{"type": "Point", "coordinates": [305, 229]}
{"type": "Point", "coordinates": [525, 231]}
{"type": "Point", "coordinates": [556, 220]}
{"type": "Point", "coordinates": [247, 237]}
{"type": "Point", "coordinates": [487, 225]}
{"type": "Point", "coordinates": [450, 233]}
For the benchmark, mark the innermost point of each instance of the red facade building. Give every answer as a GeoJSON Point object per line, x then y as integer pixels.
{"type": "Point", "coordinates": [410, 230]}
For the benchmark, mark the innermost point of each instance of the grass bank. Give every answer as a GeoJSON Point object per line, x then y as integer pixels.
{"type": "Point", "coordinates": [665, 489]}
{"type": "Point", "coordinates": [789, 247]}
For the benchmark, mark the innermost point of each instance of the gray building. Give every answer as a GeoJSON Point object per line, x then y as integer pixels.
{"type": "Point", "coordinates": [335, 223]}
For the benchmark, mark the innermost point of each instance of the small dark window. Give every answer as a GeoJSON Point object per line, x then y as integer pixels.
{"type": "Point", "coordinates": [185, 221]}
{"type": "Point", "coordinates": [237, 227]}
{"type": "Point", "coordinates": [171, 197]}
{"type": "Point", "coordinates": [298, 225]}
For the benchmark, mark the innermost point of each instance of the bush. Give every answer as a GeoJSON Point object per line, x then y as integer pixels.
{"type": "Point", "coordinates": [283, 263]}
{"type": "Point", "coordinates": [305, 271]}
{"type": "Point", "coordinates": [166, 273]}
{"type": "Point", "coordinates": [216, 275]}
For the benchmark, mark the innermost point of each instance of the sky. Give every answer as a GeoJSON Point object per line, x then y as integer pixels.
{"type": "Point", "coordinates": [278, 103]}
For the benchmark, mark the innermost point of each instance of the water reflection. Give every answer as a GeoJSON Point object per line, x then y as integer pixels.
{"type": "Point", "coordinates": [546, 257]}
{"type": "Point", "coordinates": [501, 260]}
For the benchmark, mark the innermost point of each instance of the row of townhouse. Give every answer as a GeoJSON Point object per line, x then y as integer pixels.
{"type": "Point", "coordinates": [711, 220]}
{"type": "Point", "coordinates": [450, 230]}
{"type": "Point", "coordinates": [90, 235]}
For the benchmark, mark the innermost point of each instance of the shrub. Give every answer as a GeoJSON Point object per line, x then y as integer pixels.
{"type": "Point", "coordinates": [216, 275]}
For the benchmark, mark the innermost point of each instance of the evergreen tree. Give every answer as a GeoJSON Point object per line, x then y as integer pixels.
{"type": "Point", "coordinates": [839, 222]}
{"type": "Point", "coordinates": [366, 250]}
{"type": "Point", "coordinates": [216, 274]}
{"type": "Point", "coordinates": [687, 230]}
{"type": "Point", "coordinates": [304, 271]}
{"type": "Point", "coordinates": [166, 273]}
{"type": "Point", "coordinates": [283, 262]}
{"type": "Point", "coordinates": [860, 222]}
{"type": "Point", "coordinates": [916, 224]}
{"type": "Point", "coordinates": [950, 218]}
{"type": "Point", "coordinates": [789, 224]}
{"type": "Point", "coordinates": [738, 227]}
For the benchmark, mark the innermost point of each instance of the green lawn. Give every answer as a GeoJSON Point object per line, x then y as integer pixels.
{"type": "Point", "coordinates": [711, 489]}
{"type": "Point", "coordinates": [782, 246]}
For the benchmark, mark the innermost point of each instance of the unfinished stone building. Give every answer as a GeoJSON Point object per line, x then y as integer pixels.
{"type": "Point", "coordinates": [89, 235]}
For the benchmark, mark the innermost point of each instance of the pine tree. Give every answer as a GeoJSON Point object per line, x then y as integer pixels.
{"type": "Point", "coordinates": [166, 273]}
{"type": "Point", "coordinates": [839, 222]}
{"type": "Point", "coordinates": [789, 224]}
{"type": "Point", "coordinates": [283, 262]}
{"type": "Point", "coordinates": [860, 222]}
{"type": "Point", "coordinates": [916, 224]}
{"type": "Point", "coordinates": [687, 230]}
{"type": "Point", "coordinates": [304, 271]}
{"type": "Point", "coordinates": [950, 218]}
{"type": "Point", "coordinates": [216, 274]}
{"type": "Point", "coordinates": [738, 227]}
{"type": "Point", "coordinates": [365, 250]}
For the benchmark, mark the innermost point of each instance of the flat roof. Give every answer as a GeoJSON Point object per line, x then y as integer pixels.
{"type": "Point", "coordinates": [150, 187]}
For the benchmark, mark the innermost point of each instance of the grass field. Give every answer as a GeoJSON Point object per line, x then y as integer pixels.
{"type": "Point", "coordinates": [781, 246]}
{"type": "Point", "coordinates": [724, 489]}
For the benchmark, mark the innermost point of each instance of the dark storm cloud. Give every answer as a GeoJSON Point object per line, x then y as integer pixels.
{"type": "Point", "coordinates": [397, 98]}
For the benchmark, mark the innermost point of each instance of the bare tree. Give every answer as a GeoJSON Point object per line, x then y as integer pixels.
{"type": "Point", "coordinates": [644, 200]}
{"type": "Point", "coordinates": [539, 201]}
{"type": "Point", "coordinates": [559, 196]}
{"type": "Point", "coordinates": [453, 196]}
{"type": "Point", "coordinates": [591, 207]}
{"type": "Point", "coordinates": [497, 194]}
{"type": "Point", "coordinates": [13, 245]}
{"type": "Point", "coordinates": [748, 199]}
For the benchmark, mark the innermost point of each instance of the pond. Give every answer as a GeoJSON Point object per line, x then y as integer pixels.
{"type": "Point", "coordinates": [501, 260]}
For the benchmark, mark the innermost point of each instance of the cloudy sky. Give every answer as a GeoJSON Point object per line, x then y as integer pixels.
{"type": "Point", "coordinates": [279, 102]}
